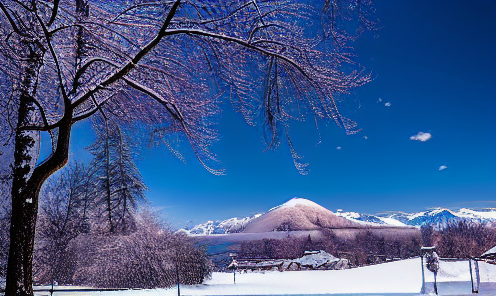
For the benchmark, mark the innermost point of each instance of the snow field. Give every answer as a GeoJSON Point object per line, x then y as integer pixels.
{"type": "Point", "coordinates": [400, 277]}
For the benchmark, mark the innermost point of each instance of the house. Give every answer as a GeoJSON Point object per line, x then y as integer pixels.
{"type": "Point", "coordinates": [490, 255]}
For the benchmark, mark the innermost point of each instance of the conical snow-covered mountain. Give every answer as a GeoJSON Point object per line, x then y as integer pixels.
{"type": "Point", "coordinates": [298, 214]}
{"type": "Point", "coordinates": [303, 214]}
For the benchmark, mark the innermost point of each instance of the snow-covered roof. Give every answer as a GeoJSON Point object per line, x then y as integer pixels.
{"type": "Point", "coordinates": [491, 252]}
{"type": "Point", "coordinates": [316, 259]}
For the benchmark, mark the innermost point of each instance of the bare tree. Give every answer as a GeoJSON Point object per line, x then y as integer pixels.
{"type": "Point", "coordinates": [164, 64]}
{"type": "Point", "coordinates": [63, 217]}
{"type": "Point", "coordinates": [464, 239]}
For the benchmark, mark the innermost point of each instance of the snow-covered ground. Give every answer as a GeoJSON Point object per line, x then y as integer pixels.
{"type": "Point", "coordinates": [400, 277]}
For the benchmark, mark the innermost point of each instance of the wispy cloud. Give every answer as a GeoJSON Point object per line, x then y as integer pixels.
{"type": "Point", "coordinates": [387, 104]}
{"type": "Point", "coordinates": [338, 148]}
{"type": "Point", "coordinates": [442, 168]}
{"type": "Point", "coordinates": [421, 136]}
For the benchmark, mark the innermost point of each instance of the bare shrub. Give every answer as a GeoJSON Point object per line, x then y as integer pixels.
{"type": "Point", "coordinates": [465, 239]}
{"type": "Point", "coordinates": [150, 257]}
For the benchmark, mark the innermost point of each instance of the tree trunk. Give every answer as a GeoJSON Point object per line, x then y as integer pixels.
{"type": "Point", "coordinates": [27, 182]}
{"type": "Point", "coordinates": [25, 193]}
{"type": "Point", "coordinates": [22, 226]}
{"type": "Point", "coordinates": [24, 198]}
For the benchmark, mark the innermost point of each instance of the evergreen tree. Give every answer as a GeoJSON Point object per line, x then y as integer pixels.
{"type": "Point", "coordinates": [119, 184]}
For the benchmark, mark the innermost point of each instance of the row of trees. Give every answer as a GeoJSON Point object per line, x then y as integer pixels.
{"type": "Point", "coordinates": [461, 239]}
{"type": "Point", "coordinates": [163, 65]}
{"type": "Point", "coordinates": [365, 247]}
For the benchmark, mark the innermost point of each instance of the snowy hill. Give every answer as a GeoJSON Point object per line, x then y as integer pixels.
{"type": "Point", "coordinates": [306, 214]}
{"type": "Point", "coordinates": [297, 214]}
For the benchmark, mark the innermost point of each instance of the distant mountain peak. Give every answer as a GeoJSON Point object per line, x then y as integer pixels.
{"type": "Point", "coordinates": [297, 201]}
{"type": "Point", "coordinates": [298, 214]}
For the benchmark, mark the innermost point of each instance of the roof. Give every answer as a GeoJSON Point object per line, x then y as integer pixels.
{"type": "Point", "coordinates": [490, 254]}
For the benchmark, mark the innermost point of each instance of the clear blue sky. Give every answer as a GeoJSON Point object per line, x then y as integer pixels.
{"type": "Point", "coordinates": [435, 63]}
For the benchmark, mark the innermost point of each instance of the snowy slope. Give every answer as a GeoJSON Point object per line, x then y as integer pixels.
{"type": "Point", "coordinates": [400, 277]}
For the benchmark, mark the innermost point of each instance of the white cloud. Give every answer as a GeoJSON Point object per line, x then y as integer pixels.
{"type": "Point", "coordinates": [421, 136]}
{"type": "Point", "coordinates": [380, 100]}
{"type": "Point", "coordinates": [339, 148]}
{"type": "Point", "coordinates": [365, 137]}
{"type": "Point", "coordinates": [442, 168]}
{"type": "Point", "coordinates": [387, 104]}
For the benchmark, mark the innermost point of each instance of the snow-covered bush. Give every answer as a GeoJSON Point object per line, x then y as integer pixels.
{"type": "Point", "coordinates": [150, 257]}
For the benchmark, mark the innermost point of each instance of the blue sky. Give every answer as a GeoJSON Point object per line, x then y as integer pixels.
{"type": "Point", "coordinates": [434, 63]}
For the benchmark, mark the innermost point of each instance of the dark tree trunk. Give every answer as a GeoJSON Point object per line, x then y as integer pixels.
{"type": "Point", "coordinates": [25, 193]}
{"type": "Point", "coordinates": [24, 211]}
{"type": "Point", "coordinates": [24, 198]}
{"type": "Point", "coordinates": [27, 183]}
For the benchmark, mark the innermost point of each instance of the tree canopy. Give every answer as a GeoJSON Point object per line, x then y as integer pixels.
{"type": "Point", "coordinates": [165, 65]}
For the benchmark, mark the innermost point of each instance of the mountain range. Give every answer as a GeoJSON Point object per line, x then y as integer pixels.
{"type": "Point", "coordinates": [303, 214]}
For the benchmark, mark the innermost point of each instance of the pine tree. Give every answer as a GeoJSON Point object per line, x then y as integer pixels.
{"type": "Point", "coordinates": [120, 186]}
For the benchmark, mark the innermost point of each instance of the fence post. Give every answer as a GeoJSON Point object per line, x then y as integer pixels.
{"type": "Point", "coordinates": [422, 290]}
{"type": "Point", "coordinates": [477, 276]}
{"type": "Point", "coordinates": [435, 282]}
{"type": "Point", "coordinates": [471, 274]}
{"type": "Point", "coordinates": [177, 277]}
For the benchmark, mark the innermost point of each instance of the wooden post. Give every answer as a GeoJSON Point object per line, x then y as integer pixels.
{"type": "Point", "coordinates": [422, 290]}
{"type": "Point", "coordinates": [177, 277]}
{"type": "Point", "coordinates": [477, 274]}
{"type": "Point", "coordinates": [435, 282]}
{"type": "Point", "coordinates": [471, 274]}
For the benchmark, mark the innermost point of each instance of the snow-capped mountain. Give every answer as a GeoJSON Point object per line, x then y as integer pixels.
{"type": "Point", "coordinates": [298, 214]}
{"type": "Point", "coordinates": [306, 214]}
{"type": "Point", "coordinates": [439, 217]}
{"type": "Point", "coordinates": [367, 219]}
{"type": "Point", "coordinates": [232, 225]}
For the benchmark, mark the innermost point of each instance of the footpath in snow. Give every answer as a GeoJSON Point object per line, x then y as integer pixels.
{"type": "Point", "coordinates": [394, 278]}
